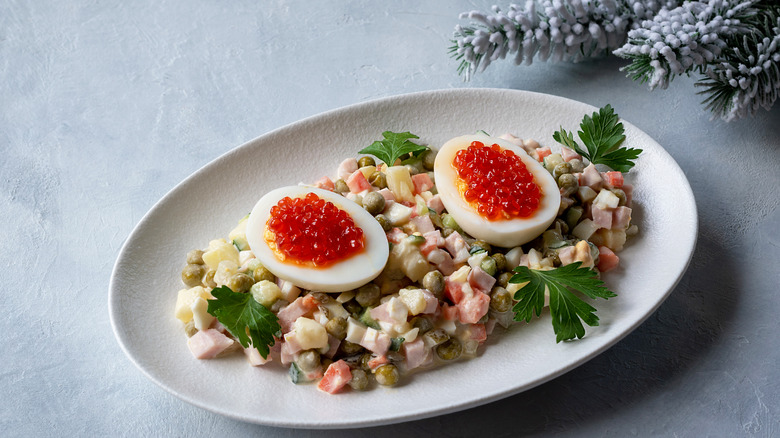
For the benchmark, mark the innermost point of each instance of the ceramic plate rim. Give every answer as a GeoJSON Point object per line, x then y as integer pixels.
{"type": "Point", "coordinates": [119, 275]}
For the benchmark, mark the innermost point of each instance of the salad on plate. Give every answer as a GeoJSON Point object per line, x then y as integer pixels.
{"type": "Point", "coordinates": [409, 257]}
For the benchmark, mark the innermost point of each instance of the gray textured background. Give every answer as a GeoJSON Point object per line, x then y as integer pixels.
{"type": "Point", "coordinates": [107, 105]}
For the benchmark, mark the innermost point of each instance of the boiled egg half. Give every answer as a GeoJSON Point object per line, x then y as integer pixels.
{"type": "Point", "coordinates": [490, 176]}
{"type": "Point", "coordinates": [310, 232]}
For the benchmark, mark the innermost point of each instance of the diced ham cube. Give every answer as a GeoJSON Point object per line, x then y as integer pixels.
{"type": "Point", "coordinates": [291, 343]}
{"type": "Point", "coordinates": [591, 177]}
{"type": "Point", "coordinates": [336, 377]}
{"type": "Point", "coordinates": [207, 344]}
{"type": "Point", "coordinates": [378, 361]}
{"type": "Point", "coordinates": [569, 154]}
{"type": "Point", "coordinates": [357, 182]}
{"type": "Point", "coordinates": [457, 247]}
{"type": "Point", "coordinates": [478, 332]}
{"type": "Point", "coordinates": [472, 308]}
{"type": "Point", "coordinates": [376, 341]}
{"type": "Point", "coordinates": [395, 236]}
{"type": "Point", "coordinates": [415, 352]}
{"type": "Point", "coordinates": [608, 260]}
{"type": "Point", "coordinates": [602, 217]}
{"type": "Point", "coordinates": [442, 260]}
{"type": "Point", "coordinates": [422, 182]}
{"type": "Point", "coordinates": [566, 254]}
{"type": "Point", "coordinates": [431, 302]}
{"type": "Point", "coordinates": [325, 183]}
{"type": "Point", "coordinates": [433, 240]}
{"type": "Point", "coordinates": [423, 224]}
{"type": "Point", "coordinates": [333, 344]}
{"type": "Point", "coordinates": [621, 217]}
{"type": "Point", "coordinates": [387, 194]}
{"type": "Point", "coordinates": [302, 306]}
{"type": "Point", "coordinates": [435, 204]}
{"type": "Point", "coordinates": [347, 168]}
{"type": "Point", "coordinates": [287, 355]}
{"type": "Point", "coordinates": [481, 280]}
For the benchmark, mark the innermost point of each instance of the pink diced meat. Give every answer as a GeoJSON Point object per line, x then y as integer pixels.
{"type": "Point", "coordinates": [207, 344]}
{"type": "Point", "coordinates": [387, 194]}
{"type": "Point", "coordinates": [423, 224]}
{"type": "Point", "coordinates": [416, 353]}
{"type": "Point", "coordinates": [431, 302]}
{"type": "Point", "coordinates": [602, 217]}
{"type": "Point", "coordinates": [435, 204]}
{"type": "Point", "coordinates": [302, 306]}
{"type": "Point", "coordinates": [621, 217]}
{"type": "Point", "coordinates": [569, 154]}
{"type": "Point", "coordinates": [357, 182]}
{"type": "Point", "coordinates": [347, 168]}
{"type": "Point", "coordinates": [481, 280]}
{"type": "Point", "coordinates": [608, 260]}
{"type": "Point", "coordinates": [591, 177]}
{"type": "Point", "coordinates": [254, 357]}
{"type": "Point", "coordinates": [325, 183]}
{"type": "Point", "coordinates": [377, 342]}
{"type": "Point", "coordinates": [395, 236]}
{"type": "Point", "coordinates": [453, 290]}
{"type": "Point", "coordinates": [422, 183]}
{"type": "Point", "coordinates": [442, 260]}
{"type": "Point", "coordinates": [433, 240]}
{"type": "Point", "coordinates": [457, 247]}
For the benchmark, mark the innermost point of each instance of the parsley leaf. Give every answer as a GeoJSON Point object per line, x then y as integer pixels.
{"type": "Point", "coordinates": [566, 308]}
{"type": "Point", "coordinates": [393, 146]}
{"type": "Point", "coordinates": [246, 319]}
{"type": "Point", "coordinates": [602, 136]}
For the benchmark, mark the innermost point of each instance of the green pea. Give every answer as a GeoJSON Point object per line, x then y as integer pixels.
{"type": "Point", "coordinates": [262, 273]}
{"type": "Point", "coordinates": [568, 183]}
{"type": "Point", "coordinates": [500, 260]}
{"type": "Point", "coordinates": [350, 348]}
{"type": "Point", "coordinates": [192, 275]}
{"type": "Point", "coordinates": [337, 327]}
{"type": "Point", "coordinates": [428, 158]}
{"type": "Point", "coordinates": [422, 323]}
{"type": "Point", "coordinates": [384, 222]}
{"type": "Point", "coordinates": [576, 165]}
{"type": "Point", "coordinates": [378, 180]}
{"type": "Point", "coordinates": [240, 283]}
{"type": "Point", "coordinates": [340, 186]}
{"type": "Point", "coordinates": [353, 307]}
{"type": "Point", "coordinates": [449, 350]}
{"type": "Point", "coordinates": [500, 299]}
{"type": "Point", "coordinates": [503, 278]}
{"type": "Point", "coordinates": [561, 169]}
{"type": "Point", "coordinates": [208, 279]}
{"type": "Point", "coordinates": [366, 161]}
{"type": "Point", "coordinates": [368, 295]}
{"type": "Point", "coordinates": [359, 380]}
{"type": "Point", "coordinates": [195, 257]}
{"type": "Point", "coordinates": [308, 360]}
{"type": "Point", "coordinates": [374, 203]}
{"type": "Point", "coordinates": [434, 282]}
{"type": "Point", "coordinates": [387, 375]}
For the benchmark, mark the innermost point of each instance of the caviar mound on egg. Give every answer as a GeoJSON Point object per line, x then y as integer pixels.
{"type": "Point", "coordinates": [316, 239]}
{"type": "Point", "coordinates": [494, 190]}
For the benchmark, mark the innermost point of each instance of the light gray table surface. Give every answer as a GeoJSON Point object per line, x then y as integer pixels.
{"type": "Point", "coordinates": [106, 106]}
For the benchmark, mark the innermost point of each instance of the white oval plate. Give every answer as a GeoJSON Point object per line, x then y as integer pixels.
{"type": "Point", "coordinates": [210, 202]}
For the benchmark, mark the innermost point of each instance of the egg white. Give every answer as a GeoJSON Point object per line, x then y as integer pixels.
{"type": "Point", "coordinates": [504, 233]}
{"type": "Point", "coordinates": [343, 275]}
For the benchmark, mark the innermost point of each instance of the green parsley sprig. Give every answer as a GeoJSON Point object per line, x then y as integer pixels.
{"type": "Point", "coordinates": [566, 308]}
{"type": "Point", "coordinates": [602, 136]}
{"type": "Point", "coordinates": [393, 147]}
{"type": "Point", "coordinates": [246, 319]}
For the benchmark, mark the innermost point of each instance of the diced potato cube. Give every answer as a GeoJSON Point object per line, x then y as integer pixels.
{"type": "Point", "coordinates": [461, 275]}
{"type": "Point", "coordinates": [399, 181]}
{"type": "Point", "coordinates": [586, 194]}
{"type": "Point", "coordinates": [584, 229]}
{"type": "Point", "coordinates": [185, 299]}
{"type": "Point", "coordinates": [238, 235]}
{"type": "Point", "coordinates": [225, 270]}
{"type": "Point", "coordinates": [309, 333]}
{"type": "Point", "coordinates": [398, 214]}
{"type": "Point", "coordinates": [266, 292]}
{"type": "Point", "coordinates": [218, 251]}
{"type": "Point", "coordinates": [606, 199]}
{"type": "Point", "coordinates": [414, 299]}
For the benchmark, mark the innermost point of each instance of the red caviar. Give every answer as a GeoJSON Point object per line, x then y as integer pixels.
{"type": "Point", "coordinates": [496, 182]}
{"type": "Point", "coordinates": [311, 230]}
